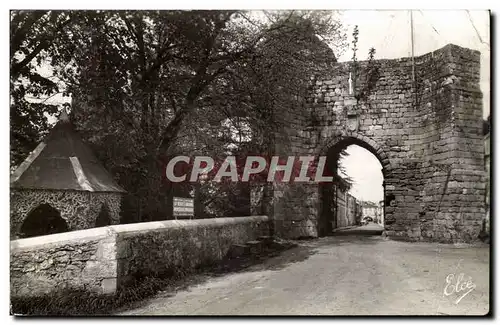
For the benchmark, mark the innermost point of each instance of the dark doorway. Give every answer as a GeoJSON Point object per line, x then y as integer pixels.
{"type": "Point", "coordinates": [103, 218]}
{"type": "Point", "coordinates": [43, 220]}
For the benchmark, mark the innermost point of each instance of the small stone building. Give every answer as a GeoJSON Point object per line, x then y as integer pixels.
{"type": "Point", "coordinates": [61, 186]}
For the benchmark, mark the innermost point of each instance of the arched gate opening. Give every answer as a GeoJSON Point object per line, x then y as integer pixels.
{"type": "Point", "coordinates": [43, 220]}
{"type": "Point", "coordinates": [340, 206]}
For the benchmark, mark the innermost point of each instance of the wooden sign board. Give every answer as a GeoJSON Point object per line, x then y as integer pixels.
{"type": "Point", "coordinates": [183, 208]}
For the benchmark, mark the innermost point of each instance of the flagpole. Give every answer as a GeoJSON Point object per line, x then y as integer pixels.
{"type": "Point", "coordinates": [412, 46]}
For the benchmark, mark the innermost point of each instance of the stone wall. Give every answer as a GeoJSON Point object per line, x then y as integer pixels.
{"type": "Point", "coordinates": [77, 260]}
{"type": "Point", "coordinates": [181, 244]}
{"type": "Point", "coordinates": [103, 259]}
{"type": "Point", "coordinates": [351, 210]}
{"type": "Point", "coordinates": [78, 208]}
{"type": "Point", "coordinates": [423, 124]}
{"type": "Point", "coordinates": [345, 210]}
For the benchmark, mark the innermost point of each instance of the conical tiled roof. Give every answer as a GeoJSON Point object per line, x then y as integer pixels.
{"type": "Point", "coordinates": [63, 162]}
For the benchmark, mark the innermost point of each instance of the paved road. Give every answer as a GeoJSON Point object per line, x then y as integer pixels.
{"type": "Point", "coordinates": [371, 228]}
{"type": "Point", "coordinates": [342, 275]}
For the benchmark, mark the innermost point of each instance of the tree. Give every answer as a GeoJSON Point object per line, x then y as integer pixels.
{"type": "Point", "coordinates": [32, 44]}
{"type": "Point", "coordinates": [268, 84]}
{"type": "Point", "coordinates": [138, 79]}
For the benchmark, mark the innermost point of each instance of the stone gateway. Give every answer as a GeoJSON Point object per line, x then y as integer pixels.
{"type": "Point", "coordinates": [421, 117]}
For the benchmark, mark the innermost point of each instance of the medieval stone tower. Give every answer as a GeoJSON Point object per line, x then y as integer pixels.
{"type": "Point", "coordinates": [421, 118]}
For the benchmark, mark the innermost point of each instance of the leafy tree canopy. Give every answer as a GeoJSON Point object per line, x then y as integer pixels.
{"type": "Point", "coordinates": [147, 84]}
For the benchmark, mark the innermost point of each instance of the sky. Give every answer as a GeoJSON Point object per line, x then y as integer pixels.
{"type": "Point", "coordinates": [366, 172]}
{"type": "Point", "coordinates": [389, 33]}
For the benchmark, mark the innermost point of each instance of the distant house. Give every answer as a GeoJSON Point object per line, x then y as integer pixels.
{"type": "Point", "coordinates": [346, 208]}
{"type": "Point", "coordinates": [359, 212]}
{"type": "Point", "coordinates": [340, 203]}
{"type": "Point", "coordinates": [370, 209]}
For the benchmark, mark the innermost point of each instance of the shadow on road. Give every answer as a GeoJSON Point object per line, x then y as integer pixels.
{"type": "Point", "coordinates": [271, 261]}
{"type": "Point", "coordinates": [274, 261]}
{"type": "Point", "coordinates": [341, 240]}
{"type": "Point", "coordinates": [371, 229]}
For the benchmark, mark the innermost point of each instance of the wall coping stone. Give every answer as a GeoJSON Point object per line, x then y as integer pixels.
{"type": "Point", "coordinates": [60, 238]}
{"type": "Point", "coordinates": [27, 244]}
{"type": "Point", "coordinates": [169, 224]}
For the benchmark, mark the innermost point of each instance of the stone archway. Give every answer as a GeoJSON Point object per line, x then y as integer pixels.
{"type": "Point", "coordinates": [327, 213]}
{"type": "Point", "coordinates": [348, 138]}
{"type": "Point", "coordinates": [425, 128]}
{"type": "Point", "coordinates": [103, 218]}
{"type": "Point", "coordinates": [73, 207]}
{"type": "Point", "coordinates": [43, 220]}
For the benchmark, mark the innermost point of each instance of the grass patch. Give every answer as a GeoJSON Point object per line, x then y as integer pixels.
{"type": "Point", "coordinates": [79, 303]}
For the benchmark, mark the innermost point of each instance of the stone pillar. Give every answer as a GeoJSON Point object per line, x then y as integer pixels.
{"type": "Point", "coordinates": [296, 209]}
{"type": "Point", "coordinates": [465, 190]}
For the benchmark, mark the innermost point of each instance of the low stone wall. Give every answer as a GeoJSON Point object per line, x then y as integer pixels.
{"type": "Point", "coordinates": [77, 260]}
{"type": "Point", "coordinates": [181, 244]}
{"type": "Point", "coordinates": [103, 259]}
